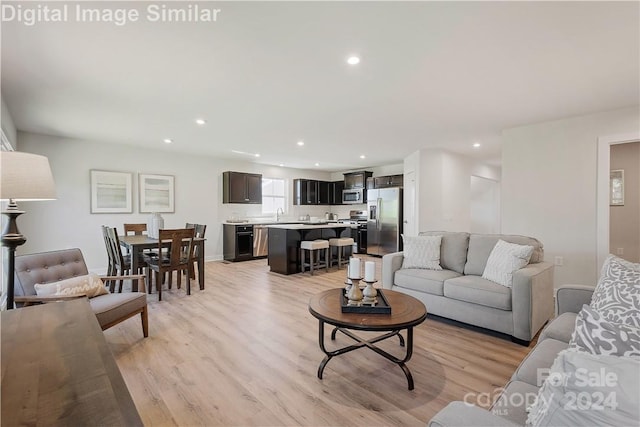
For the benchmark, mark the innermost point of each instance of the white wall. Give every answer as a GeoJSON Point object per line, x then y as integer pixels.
{"type": "Point", "coordinates": [443, 188]}
{"type": "Point", "coordinates": [8, 126]}
{"type": "Point", "coordinates": [549, 175]}
{"type": "Point", "coordinates": [67, 221]}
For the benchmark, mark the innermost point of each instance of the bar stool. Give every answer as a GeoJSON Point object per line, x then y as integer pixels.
{"type": "Point", "coordinates": [341, 243]}
{"type": "Point", "coordinates": [313, 246]}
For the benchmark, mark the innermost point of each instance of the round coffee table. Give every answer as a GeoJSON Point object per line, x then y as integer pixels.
{"type": "Point", "coordinates": [406, 312]}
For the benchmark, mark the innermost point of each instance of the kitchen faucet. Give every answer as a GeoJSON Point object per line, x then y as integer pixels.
{"type": "Point", "coordinates": [279, 214]}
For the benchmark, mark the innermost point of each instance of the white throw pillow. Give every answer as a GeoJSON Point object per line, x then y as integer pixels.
{"type": "Point", "coordinates": [505, 258]}
{"type": "Point", "coordinates": [421, 252]}
{"type": "Point", "coordinates": [90, 285]}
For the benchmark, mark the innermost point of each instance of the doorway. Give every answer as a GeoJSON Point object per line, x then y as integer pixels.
{"type": "Point", "coordinates": [624, 209]}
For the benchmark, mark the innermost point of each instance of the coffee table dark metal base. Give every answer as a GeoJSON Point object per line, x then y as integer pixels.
{"type": "Point", "coordinates": [407, 312]}
{"type": "Point", "coordinates": [369, 344]}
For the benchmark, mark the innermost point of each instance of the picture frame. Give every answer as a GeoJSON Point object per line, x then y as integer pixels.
{"type": "Point", "coordinates": [156, 193]}
{"type": "Point", "coordinates": [616, 187]}
{"type": "Point", "coordinates": [111, 191]}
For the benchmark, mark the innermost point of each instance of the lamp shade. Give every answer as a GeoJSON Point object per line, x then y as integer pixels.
{"type": "Point", "coordinates": [25, 176]}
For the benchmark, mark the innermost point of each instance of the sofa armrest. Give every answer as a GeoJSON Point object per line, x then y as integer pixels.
{"type": "Point", "coordinates": [570, 298]}
{"type": "Point", "coordinates": [390, 264]}
{"type": "Point", "coordinates": [28, 300]}
{"type": "Point", "coordinates": [461, 414]}
{"type": "Point", "coordinates": [532, 299]}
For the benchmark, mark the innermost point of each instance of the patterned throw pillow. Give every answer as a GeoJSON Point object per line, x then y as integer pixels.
{"type": "Point", "coordinates": [421, 252]}
{"type": "Point", "coordinates": [505, 258]}
{"type": "Point", "coordinates": [90, 285]}
{"type": "Point", "coordinates": [617, 295]}
{"type": "Point", "coordinates": [594, 334]}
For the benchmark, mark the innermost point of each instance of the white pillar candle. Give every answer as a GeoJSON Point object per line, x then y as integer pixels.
{"type": "Point", "coordinates": [354, 268]}
{"type": "Point", "coordinates": [369, 271]}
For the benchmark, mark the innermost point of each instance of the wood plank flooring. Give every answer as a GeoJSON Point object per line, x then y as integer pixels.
{"type": "Point", "coordinates": [244, 352]}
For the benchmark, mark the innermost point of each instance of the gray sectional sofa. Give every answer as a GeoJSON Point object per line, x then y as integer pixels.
{"type": "Point", "coordinates": [509, 408]}
{"type": "Point", "coordinates": [459, 292]}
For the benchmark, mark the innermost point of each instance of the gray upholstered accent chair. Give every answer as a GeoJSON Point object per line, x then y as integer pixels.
{"type": "Point", "coordinates": [48, 267]}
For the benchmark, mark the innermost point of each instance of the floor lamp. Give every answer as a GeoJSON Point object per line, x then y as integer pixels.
{"type": "Point", "coordinates": [23, 176]}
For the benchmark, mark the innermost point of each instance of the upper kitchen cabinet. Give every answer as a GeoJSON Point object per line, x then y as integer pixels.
{"type": "Point", "coordinates": [311, 192]}
{"type": "Point", "coordinates": [356, 179]}
{"type": "Point", "coordinates": [388, 181]}
{"type": "Point", "coordinates": [240, 187]}
{"type": "Point", "coordinates": [335, 192]}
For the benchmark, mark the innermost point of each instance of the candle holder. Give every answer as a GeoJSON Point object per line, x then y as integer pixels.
{"type": "Point", "coordinates": [354, 295]}
{"type": "Point", "coordinates": [369, 294]}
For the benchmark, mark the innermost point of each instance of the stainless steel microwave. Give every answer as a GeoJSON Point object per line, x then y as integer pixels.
{"type": "Point", "coordinates": [353, 196]}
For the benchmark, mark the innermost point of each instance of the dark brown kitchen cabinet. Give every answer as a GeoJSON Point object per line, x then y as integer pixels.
{"type": "Point", "coordinates": [240, 187]}
{"type": "Point", "coordinates": [356, 179]}
{"type": "Point", "coordinates": [335, 192]}
{"type": "Point", "coordinates": [388, 181]}
{"type": "Point", "coordinates": [311, 192]}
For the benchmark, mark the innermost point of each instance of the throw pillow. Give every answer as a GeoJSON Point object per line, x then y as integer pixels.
{"type": "Point", "coordinates": [583, 389]}
{"type": "Point", "coordinates": [504, 259]}
{"type": "Point", "coordinates": [617, 295]}
{"type": "Point", "coordinates": [90, 285]}
{"type": "Point", "coordinates": [594, 334]}
{"type": "Point", "coordinates": [421, 252]}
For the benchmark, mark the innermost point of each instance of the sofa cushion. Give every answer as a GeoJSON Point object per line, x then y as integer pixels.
{"type": "Point", "coordinates": [594, 334]}
{"type": "Point", "coordinates": [112, 307]}
{"type": "Point", "coordinates": [535, 366]}
{"type": "Point", "coordinates": [481, 245]}
{"type": "Point", "coordinates": [560, 328]}
{"type": "Point", "coordinates": [477, 290]}
{"type": "Point", "coordinates": [505, 258]}
{"type": "Point", "coordinates": [421, 252]}
{"type": "Point", "coordinates": [617, 295]}
{"type": "Point", "coordinates": [583, 389]}
{"type": "Point", "coordinates": [453, 249]}
{"type": "Point", "coordinates": [430, 281]}
{"type": "Point", "coordinates": [512, 404]}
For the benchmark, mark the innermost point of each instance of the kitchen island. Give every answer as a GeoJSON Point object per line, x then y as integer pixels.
{"type": "Point", "coordinates": [284, 242]}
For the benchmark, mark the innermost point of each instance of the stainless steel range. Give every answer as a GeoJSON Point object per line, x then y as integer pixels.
{"type": "Point", "coordinates": [358, 219]}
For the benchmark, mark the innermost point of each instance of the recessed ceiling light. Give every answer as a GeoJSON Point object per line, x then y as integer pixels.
{"type": "Point", "coordinates": [201, 122]}
{"type": "Point", "coordinates": [257, 155]}
{"type": "Point", "coordinates": [317, 164]}
{"type": "Point", "coordinates": [281, 165]}
{"type": "Point", "coordinates": [476, 145]}
{"type": "Point", "coordinates": [362, 156]}
{"type": "Point", "coordinates": [167, 140]}
{"type": "Point", "coordinates": [300, 143]}
{"type": "Point", "coordinates": [353, 60]}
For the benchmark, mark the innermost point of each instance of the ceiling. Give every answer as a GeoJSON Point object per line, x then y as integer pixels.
{"type": "Point", "coordinates": [268, 74]}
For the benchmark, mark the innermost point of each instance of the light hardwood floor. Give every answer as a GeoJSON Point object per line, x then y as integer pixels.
{"type": "Point", "coordinates": [244, 352]}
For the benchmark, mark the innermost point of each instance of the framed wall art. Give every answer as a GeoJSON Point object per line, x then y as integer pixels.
{"type": "Point", "coordinates": [616, 187]}
{"type": "Point", "coordinates": [111, 192]}
{"type": "Point", "coordinates": [156, 193]}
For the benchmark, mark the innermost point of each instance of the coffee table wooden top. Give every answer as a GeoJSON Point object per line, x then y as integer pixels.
{"type": "Point", "coordinates": [406, 311]}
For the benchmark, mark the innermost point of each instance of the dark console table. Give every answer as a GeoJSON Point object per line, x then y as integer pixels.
{"type": "Point", "coordinates": [58, 370]}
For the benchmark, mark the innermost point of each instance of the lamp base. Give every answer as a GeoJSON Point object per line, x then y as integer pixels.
{"type": "Point", "coordinates": [12, 238]}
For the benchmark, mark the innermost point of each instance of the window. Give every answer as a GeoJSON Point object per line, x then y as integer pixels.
{"type": "Point", "coordinates": [273, 195]}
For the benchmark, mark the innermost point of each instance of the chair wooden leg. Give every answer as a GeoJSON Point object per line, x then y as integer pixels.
{"type": "Point", "coordinates": [159, 286]}
{"type": "Point", "coordinates": [145, 322]}
{"type": "Point", "coordinates": [179, 281]}
{"type": "Point", "coordinates": [188, 276]}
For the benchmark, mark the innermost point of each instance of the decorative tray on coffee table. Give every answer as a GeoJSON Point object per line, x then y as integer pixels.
{"type": "Point", "coordinates": [381, 307]}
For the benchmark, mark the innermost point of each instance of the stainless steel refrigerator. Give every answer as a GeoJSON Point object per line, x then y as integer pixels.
{"type": "Point", "coordinates": [384, 226]}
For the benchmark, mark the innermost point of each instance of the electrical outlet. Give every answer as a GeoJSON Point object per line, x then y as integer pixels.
{"type": "Point", "coordinates": [620, 251]}
{"type": "Point", "coordinates": [559, 261]}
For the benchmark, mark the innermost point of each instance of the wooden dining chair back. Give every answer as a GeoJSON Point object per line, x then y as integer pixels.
{"type": "Point", "coordinates": [122, 262]}
{"type": "Point", "coordinates": [136, 229]}
{"type": "Point", "coordinates": [107, 243]}
{"type": "Point", "coordinates": [200, 229]}
{"type": "Point", "coordinates": [178, 258]}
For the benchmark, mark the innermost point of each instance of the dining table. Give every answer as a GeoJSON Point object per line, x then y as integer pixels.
{"type": "Point", "coordinates": [137, 244]}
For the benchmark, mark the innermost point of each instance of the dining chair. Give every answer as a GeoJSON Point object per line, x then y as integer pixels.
{"type": "Point", "coordinates": [200, 229]}
{"type": "Point", "coordinates": [178, 258]}
{"type": "Point", "coordinates": [122, 263]}
{"type": "Point", "coordinates": [107, 244]}
{"type": "Point", "coordinates": [136, 229]}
